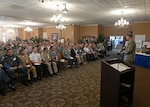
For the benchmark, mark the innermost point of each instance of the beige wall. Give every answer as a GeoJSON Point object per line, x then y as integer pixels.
{"type": "Point", "coordinates": [7, 33]}
{"type": "Point", "coordinates": [68, 33]}
{"type": "Point", "coordinates": [50, 30]}
{"type": "Point", "coordinates": [89, 30]}
{"type": "Point", "coordinates": [142, 28]}
{"type": "Point", "coordinates": [100, 29]}
{"type": "Point", "coordinates": [113, 31]}
{"type": "Point", "coordinates": [27, 35]}
{"type": "Point", "coordinates": [76, 32]}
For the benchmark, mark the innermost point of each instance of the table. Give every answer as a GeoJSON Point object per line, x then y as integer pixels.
{"type": "Point", "coordinates": [142, 60]}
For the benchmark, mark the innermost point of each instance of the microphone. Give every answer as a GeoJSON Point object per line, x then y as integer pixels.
{"type": "Point", "coordinates": [121, 50]}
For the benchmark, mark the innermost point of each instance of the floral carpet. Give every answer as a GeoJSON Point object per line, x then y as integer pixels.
{"type": "Point", "coordinates": [75, 87]}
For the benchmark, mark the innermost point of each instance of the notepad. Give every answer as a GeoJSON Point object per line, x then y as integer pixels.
{"type": "Point", "coordinates": [126, 85]}
{"type": "Point", "coordinates": [120, 66]}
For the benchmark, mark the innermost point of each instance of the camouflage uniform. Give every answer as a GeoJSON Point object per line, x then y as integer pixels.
{"type": "Point", "coordinates": [59, 49]}
{"type": "Point", "coordinates": [14, 61]}
{"type": "Point", "coordinates": [55, 62]}
{"type": "Point", "coordinates": [129, 53]}
{"type": "Point", "coordinates": [26, 61]}
{"type": "Point", "coordinates": [147, 51]}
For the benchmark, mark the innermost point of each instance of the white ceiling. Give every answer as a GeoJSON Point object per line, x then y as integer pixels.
{"type": "Point", "coordinates": [105, 12]}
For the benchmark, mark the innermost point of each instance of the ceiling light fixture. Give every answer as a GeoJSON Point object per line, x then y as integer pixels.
{"type": "Point", "coordinates": [3, 29]}
{"type": "Point", "coordinates": [61, 26]}
{"type": "Point", "coordinates": [65, 10]}
{"type": "Point", "coordinates": [58, 20]}
{"type": "Point", "coordinates": [122, 23]}
{"type": "Point", "coordinates": [58, 17]}
{"type": "Point", "coordinates": [42, 1]}
{"type": "Point", "coordinates": [28, 29]}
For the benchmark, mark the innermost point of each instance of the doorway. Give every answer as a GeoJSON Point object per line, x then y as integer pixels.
{"type": "Point", "coordinates": [117, 42]}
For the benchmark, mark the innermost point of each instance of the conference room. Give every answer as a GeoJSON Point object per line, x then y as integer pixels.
{"type": "Point", "coordinates": [94, 30]}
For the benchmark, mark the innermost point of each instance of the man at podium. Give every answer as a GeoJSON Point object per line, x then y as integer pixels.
{"type": "Point", "coordinates": [129, 52]}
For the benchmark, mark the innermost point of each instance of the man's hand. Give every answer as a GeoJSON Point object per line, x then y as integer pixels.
{"type": "Point", "coordinates": [13, 68]}
{"type": "Point", "coordinates": [20, 66]}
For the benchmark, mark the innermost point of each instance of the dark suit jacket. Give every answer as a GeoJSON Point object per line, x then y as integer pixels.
{"type": "Point", "coordinates": [73, 54]}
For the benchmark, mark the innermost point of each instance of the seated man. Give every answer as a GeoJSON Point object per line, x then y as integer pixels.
{"type": "Point", "coordinates": [46, 61]}
{"type": "Point", "coordinates": [5, 79]}
{"type": "Point", "coordinates": [67, 56]}
{"type": "Point", "coordinates": [101, 50]}
{"type": "Point", "coordinates": [82, 53]}
{"type": "Point", "coordinates": [146, 50]}
{"type": "Point", "coordinates": [12, 64]}
{"type": "Point", "coordinates": [27, 63]}
{"type": "Point", "coordinates": [75, 55]}
{"type": "Point", "coordinates": [54, 59]}
{"type": "Point", "coordinates": [36, 60]}
{"type": "Point", "coordinates": [89, 54]}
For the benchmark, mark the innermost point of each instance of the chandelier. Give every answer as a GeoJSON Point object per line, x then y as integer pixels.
{"type": "Point", "coordinates": [122, 23]}
{"type": "Point", "coordinates": [6, 30]}
{"type": "Point", "coordinates": [61, 26]}
{"type": "Point", "coordinates": [28, 29]}
{"type": "Point", "coordinates": [3, 29]}
{"type": "Point", "coordinates": [58, 18]}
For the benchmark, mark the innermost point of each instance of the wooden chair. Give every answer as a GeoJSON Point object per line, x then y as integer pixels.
{"type": "Point", "coordinates": [62, 61]}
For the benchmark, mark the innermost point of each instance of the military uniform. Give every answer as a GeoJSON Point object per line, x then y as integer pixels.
{"type": "Point", "coordinates": [3, 78]}
{"type": "Point", "coordinates": [147, 51]}
{"type": "Point", "coordinates": [59, 49]}
{"type": "Point", "coordinates": [26, 61]}
{"type": "Point", "coordinates": [67, 56]}
{"type": "Point", "coordinates": [14, 61]}
{"type": "Point", "coordinates": [129, 52]}
{"type": "Point", "coordinates": [56, 63]}
{"type": "Point", "coordinates": [46, 64]}
{"type": "Point", "coordinates": [53, 54]}
{"type": "Point", "coordinates": [82, 54]}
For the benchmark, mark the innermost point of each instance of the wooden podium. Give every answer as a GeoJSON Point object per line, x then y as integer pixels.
{"type": "Point", "coordinates": [117, 83]}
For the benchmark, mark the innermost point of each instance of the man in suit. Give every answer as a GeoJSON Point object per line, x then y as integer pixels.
{"type": "Point", "coordinates": [75, 55]}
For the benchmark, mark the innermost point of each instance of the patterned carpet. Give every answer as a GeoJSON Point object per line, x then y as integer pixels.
{"type": "Point", "coordinates": [76, 87]}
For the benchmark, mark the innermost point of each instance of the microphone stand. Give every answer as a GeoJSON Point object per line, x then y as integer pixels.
{"type": "Point", "coordinates": [120, 55]}
{"type": "Point", "coordinates": [118, 58]}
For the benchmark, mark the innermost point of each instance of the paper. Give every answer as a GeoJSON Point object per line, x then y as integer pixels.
{"type": "Point", "coordinates": [71, 57]}
{"type": "Point", "coordinates": [140, 37]}
{"type": "Point", "coordinates": [138, 44]}
{"type": "Point", "coordinates": [62, 60]}
{"type": "Point", "coordinates": [126, 85]}
{"type": "Point", "coordinates": [120, 66]}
